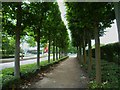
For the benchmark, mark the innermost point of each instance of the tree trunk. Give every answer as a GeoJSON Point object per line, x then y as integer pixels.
{"type": "Point", "coordinates": [117, 15]}
{"type": "Point", "coordinates": [84, 53]}
{"type": "Point", "coordinates": [80, 53]}
{"type": "Point", "coordinates": [17, 45]}
{"type": "Point", "coordinates": [59, 54]}
{"type": "Point", "coordinates": [63, 53]}
{"type": "Point", "coordinates": [38, 49]}
{"type": "Point", "coordinates": [77, 52]}
{"type": "Point", "coordinates": [97, 57]}
{"type": "Point", "coordinates": [53, 51]}
{"type": "Point", "coordinates": [49, 51]}
{"type": "Point", "coordinates": [90, 56]}
{"type": "Point", "coordinates": [56, 53]}
{"type": "Point", "coordinates": [80, 50]}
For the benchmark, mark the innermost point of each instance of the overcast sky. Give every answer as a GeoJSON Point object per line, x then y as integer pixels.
{"type": "Point", "coordinates": [110, 36]}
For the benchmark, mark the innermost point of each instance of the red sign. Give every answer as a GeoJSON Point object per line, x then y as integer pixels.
{"type": "Point", "coordinates": [46, 49]}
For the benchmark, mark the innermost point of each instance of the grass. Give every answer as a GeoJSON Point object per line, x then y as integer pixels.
{"type": "Point", "coordinates": [26, 71]}
{"type": "Point", "coordinates": [110, 75]}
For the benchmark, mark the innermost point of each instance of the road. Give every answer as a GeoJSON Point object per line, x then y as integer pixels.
{"type": "Point", "coordinates": [72, 55]}
{"type": "Point", "coordinates": [30, 61]}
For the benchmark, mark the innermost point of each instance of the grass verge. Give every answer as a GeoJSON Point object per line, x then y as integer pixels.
{"type": "Point", "coordinates": [26, 72]}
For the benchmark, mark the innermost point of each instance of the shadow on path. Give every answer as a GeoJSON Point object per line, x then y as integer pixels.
{"type": "Point", "coordinates": [67, 74]}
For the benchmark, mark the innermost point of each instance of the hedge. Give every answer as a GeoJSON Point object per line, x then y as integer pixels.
{"type": "Point", "coordinates": [109, 52]}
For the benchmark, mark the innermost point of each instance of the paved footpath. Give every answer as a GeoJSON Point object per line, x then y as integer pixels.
{"type": "Point", "coordinates": [67, 74]}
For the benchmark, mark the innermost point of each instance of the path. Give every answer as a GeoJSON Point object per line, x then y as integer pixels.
{"type": "Point", "coordinates": [67, 74]}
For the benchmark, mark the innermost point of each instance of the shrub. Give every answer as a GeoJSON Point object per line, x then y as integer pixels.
{"type": "Point", "coordinates": [110, 75]}
{"type": "Point", "coordinates": [109, 52]}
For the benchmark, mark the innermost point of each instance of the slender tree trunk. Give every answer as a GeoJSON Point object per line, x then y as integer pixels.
{"type": "Point", "coordinates": [90, 56]}
{"type": "Point", "coordinates": [80, 50]}
{"type": "Point", "coordinates": [56, 53]}
{"type": "Point", "coordinates": [63, 53]}
{"type": "Point", "coordinates": [53, 51]}
{"type": "Point", "coordinates": [80, 53]}
{"type": "Point", "coordinates": [117, 15]}
{"type": "Point", "coordinates": [17, 54]}
{"type": "Point", "coordinates": [84, 53]}
{"type": "Point", "coordinates": [59, 54]}
{"type": "Point", "coordinates": [77, 51]}
{"type": "Point", "coordinates": [49, 51]}
{"type": "Point", "coordinates": [97, 56]}
{"type": "Point", "coordinates": [38, 49]}
{"type": "Point", "coordinates": [17, 45]}
{"type": "Point", "coordinates": [1, 52]}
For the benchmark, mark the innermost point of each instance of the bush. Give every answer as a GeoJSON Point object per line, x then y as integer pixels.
{"type": "Point", "coordinates": [110, 52]}
{"type": "Point", "coordinates": [110, 75]}
{"type": "Point", "coordinates": [110, 55]}
{"type": "Point", "coordinates": [10, 56]}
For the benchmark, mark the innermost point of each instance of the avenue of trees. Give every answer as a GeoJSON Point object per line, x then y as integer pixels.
{"type": "Point", "coordinates": [88, 21]}
{"type": "Point", "coordinates": [40, 20]}
{"type": "Point", "coordinates": [42, 23]}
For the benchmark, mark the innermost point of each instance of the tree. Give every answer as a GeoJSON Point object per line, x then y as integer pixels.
{"type": "Point", "coordinates": [104, 14]}
{"type": "Point", "coordinates": [52, 28]}
{"type": "Point", "coordinates": [30, 40]}
{"type": "Point", "coordinates": [17, 46]}
{"type": "Point", "coordinates": [80, 14]}
{"type": "Point", "coordinates": [117, 15]}
{"type": "Point", "coordinates": [71, 49]}
{"type": "Point", "coordinates": [62, 39]}
{"type": "Point", "coordinates": [5, 44]}
{"type": "Point", "coordinates": [13, 21]}
{"type": "Point", "coordinates": [0, 27]}
{"type": "Point", "coordinates": [37, 14]}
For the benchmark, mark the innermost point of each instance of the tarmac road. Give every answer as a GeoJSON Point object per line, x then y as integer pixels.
{"type": "Point", "coordinates": [29, 61]}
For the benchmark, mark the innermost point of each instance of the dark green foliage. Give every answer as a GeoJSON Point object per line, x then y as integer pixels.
{"type": "Point", "coordinates": [110, 75]}
{"type": "Point", "coordinates": [82, 23]}
{"type": "Point", "coordinates": [71, 49]}
{"type": "Point", "coordinates": [110, 68]}
{"type": "Point", "coordinates": [110, 52]}
{"type": "Point", "coordinates": [7, 71]}
{"type": "Point", "coordinates": [8, 80]}
{"type": "Point", "coordinates": [7, 41]}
